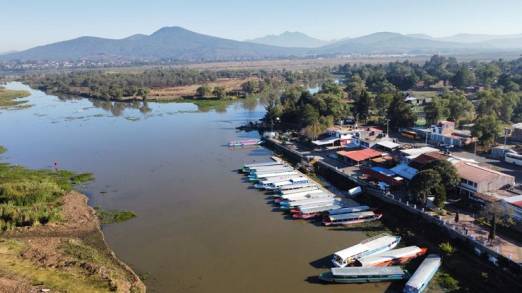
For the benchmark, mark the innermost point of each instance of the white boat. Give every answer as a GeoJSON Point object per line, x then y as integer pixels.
{"type": "Point", "coordinates": [308, 212]}
{"type": "Point", "coordinates": [391, 257]}
{"type": "Point", "coordinates": [423, 275]}
{"type": "Point", "coordinates": [370, 246]}
{"type": "Point", "coordinates": [296, 186]}
{"type": "Point", "coordinates": [309, 201]}
{"type": "Point", "coordinates": [258, 177]}
{"type": "Point", "coordinates": [247, 167]}
{"type": "Point", "coordinates": [275, 180]}
{"type": "Point", "coordinates": [297, 190]}
{"type": "Point", "coordinates": [268, 168]}
{"type": "Point", "coordinates": [289, 182]}
{"type": "Point", "coordinates": [351, 218]}
{"type": "Point", "coordinates": [348, 210]}
{"type": "Point", "coordinates": [272, 170]}
{"type": "Point", "coordinates": [292, 196]}
{"type": "Point", "coordinates": [352, 275]}
{"type": "Point", "coordinates": [287, 201]}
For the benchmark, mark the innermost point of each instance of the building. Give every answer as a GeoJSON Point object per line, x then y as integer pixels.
{"type": "Point", "coordinates": [359, 156]}
{"type": "Point", "coordinates": [426, 158]}
{"type": "Point", "coordinates": [444, 133]}
{"type": "Point", "coordinates": [407, 155]}
{"type": "Point", "coordinates": [476, 180]}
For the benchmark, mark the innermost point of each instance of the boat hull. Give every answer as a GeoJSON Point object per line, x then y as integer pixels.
{"type": "Point", "coordinates": [352, 222]}
{"type": "Point", "coordinates": [328, 277]}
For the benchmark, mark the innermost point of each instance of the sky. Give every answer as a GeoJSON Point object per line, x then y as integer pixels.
{"type": "Point", "coordinates": [28, 23]}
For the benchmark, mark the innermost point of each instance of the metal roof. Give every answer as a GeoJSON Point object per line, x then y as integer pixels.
{"type": "Point", "coordinates": [369, 244]}
{"type": "Point", "coordinates": [425, 271]}
{"type": "Point", "coordinates": [389, 255]}
{"type": "Point", "coordinates": [350, 216]}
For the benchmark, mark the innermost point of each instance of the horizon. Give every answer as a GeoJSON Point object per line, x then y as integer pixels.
{"type": "Point", "coordinates": [47, 23]}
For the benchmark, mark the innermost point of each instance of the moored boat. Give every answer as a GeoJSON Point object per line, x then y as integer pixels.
{"type": "Point", "coordinates": [391, 257]}
{"type": "Point", "coordinates": [370, 246]}
{"type": "Point", "coordinates": [289, 182]}
{"type": "Point", "coordinates": [423, 275]}
{"type": "Point", "coordinates": [247, 167]}
{"type": "Point", "coordinates": [295, 187]}
{"type": "Point", "coordinates": [272, 180]}
{"type": "Point", "coordinates": [283, 191]}
{"type": "Point", "coordinates": [323, 198]}
{"type": "Point", "coordinates": [351, 218]}
{"type": "Point", "coordinates": [258, 177]}
{"type": "Point", "coordinates": [244, 142]}
{"type": "Point", "coordinates": [350, 275]}
{"type": "Point", "coordinates": [348, 210]}
{"type": "Point", "coordinates": [310, 212]}
{"type": "Point", "coordinates": [272, 170]}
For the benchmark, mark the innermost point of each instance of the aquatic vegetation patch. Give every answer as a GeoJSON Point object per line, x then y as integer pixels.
{"type": "Point", "coordinates": [10, 99]}
{"type": "Point", "coordinates": [2, 149]}
{"type": "Point", "coordinates": [113, 216]}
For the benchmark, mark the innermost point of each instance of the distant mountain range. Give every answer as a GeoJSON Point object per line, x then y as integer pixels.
{"type": "Point", "coordinates": [179, 44]}
{"type": "Point", "coordinates": [290, 39]}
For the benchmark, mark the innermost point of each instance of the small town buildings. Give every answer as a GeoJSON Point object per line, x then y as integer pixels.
{"type": "Point", "coordinates": [359, 156]}
{"type": "Point", "coordinates": [382, 174]}
{"type": "Point", "coordinates": [404, 171]}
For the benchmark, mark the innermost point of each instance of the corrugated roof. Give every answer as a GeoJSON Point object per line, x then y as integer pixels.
{"type": "Point", "coordinates": [476, 173]}
{"type": "Point", "coordinates": [360, 155]}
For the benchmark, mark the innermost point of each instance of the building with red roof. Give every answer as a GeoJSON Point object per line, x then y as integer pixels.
{"type": "Point", "coordinates": [359, 156]}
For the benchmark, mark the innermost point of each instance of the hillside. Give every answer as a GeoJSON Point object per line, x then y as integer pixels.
{"type": "Point", "coordinates": [290, 39]}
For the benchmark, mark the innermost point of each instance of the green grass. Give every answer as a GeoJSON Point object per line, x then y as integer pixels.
{"type": "Point", "coordinates": [2, 149]}
{"type": "Point", "coordinates": [9, 99]}
{"type": "Point", "coordinates": [32, 197]}
{"type": "Point", "coordinates": [113, 216]}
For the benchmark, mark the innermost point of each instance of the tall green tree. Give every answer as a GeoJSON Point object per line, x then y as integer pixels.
{"type": "Point", "coordinates": [400, 113]}
{"type": "Point", "coordinates": [424, 184]}
{"type": "Point", "coordinates": [486, 129]}
{"type": "Point", "coordinates": [447, 172]}
{"type": "Point", "coordinates": [464, 77]}
{"type": "Point", "coordinates": [361, 107]}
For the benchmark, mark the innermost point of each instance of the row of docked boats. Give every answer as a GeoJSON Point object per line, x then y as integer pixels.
{"type": "Point", "coordinates": [376, 259]}
{"type": "Point", "coordinates": [244, 142]}
{"type": "Point", "coordinates": [304, 199]}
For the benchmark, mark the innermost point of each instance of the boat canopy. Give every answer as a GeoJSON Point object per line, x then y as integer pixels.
{"type": "Point", "coordinates": [389, 255]}
{"type": "Point", "coordinates": [423, 274]}
{"type": "Point", "coordinates": [370, 244]}
{"type": "Point", "coordinates": [368, 271]}
{"type": "Point", "coordinates": [348, 210]}
{"type": "Point", "coordinates": [350, 216]}
{"type": "Point", "coordinates": [319, 208]}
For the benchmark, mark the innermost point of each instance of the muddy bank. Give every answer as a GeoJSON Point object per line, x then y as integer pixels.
{"type": "Point", "coordinates": [70, 255]}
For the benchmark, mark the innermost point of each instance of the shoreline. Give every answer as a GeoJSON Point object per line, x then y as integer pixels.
{"type": "Point", "coordinates": [64, 256]}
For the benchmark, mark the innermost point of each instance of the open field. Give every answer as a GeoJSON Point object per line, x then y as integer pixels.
{"type": "Point", "coordinates": [170, 93]}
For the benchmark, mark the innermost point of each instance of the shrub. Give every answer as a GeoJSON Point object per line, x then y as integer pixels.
{"type": "Point", "coordinates": [448, 282]}
{"type": "Point", "coordinates": [446, 248]}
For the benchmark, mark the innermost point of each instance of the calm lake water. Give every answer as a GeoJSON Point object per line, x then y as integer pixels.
{"type": "Point", "coordinates": [200, 228]}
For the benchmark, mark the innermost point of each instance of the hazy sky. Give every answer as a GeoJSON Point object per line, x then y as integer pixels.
{"type": "Point", "coordinates": [26, 23]}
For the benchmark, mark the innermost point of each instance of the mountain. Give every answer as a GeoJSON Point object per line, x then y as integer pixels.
{"type": "Point", "coordinates": [477, 38]}
{"type": "Point", "coordinates": [392, 43]}
{"type": "Point", "coordinates": [290, 39]}
{"type": "Point", "coordinates": [167, 43]}
{"type": "Point", "coordinates": [178, 44]}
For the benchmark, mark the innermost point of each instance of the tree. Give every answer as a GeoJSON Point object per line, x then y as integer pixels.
{"type": "Point", "coordinates": [382, 103]}
{"type": "Point", "coordinates": [459, 106]}
{"type": "Point", "coordinates": [355, 87]}
{"type": "Point", "coordinates": [203, 91]}
{"type": "Point", "coordinates": [464, 77]}
{"type": "Point", "coordinates": [488, 74]}
{"type": "Point", "coordinates": [362, 106]}
{"type": "Point", "coordinates": [447, 172]}
{"type": "Point", "coordinates": [435, 111]}
{"type": "Point", "coordinates": [400, 113]}
{"type": "Point", "coordinates": [220, 92]}
{"type": "Point", "coordinates": [424, 184]}
{"type": "Point", "coordinates": [313, 130]}
{"type": "Point", "coordinates": [486, 129]}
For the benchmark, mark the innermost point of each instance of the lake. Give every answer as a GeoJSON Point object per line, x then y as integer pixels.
{"type": "Point", "coordinates": [200, 228]}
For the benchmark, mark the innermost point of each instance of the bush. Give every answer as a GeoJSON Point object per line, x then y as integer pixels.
{"type": "Point", "coordinates": [448, 282]}
{"type": "Point", "coordinates": [113, 216]}
{"type": "Point", "coordinates": [446, 248]}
